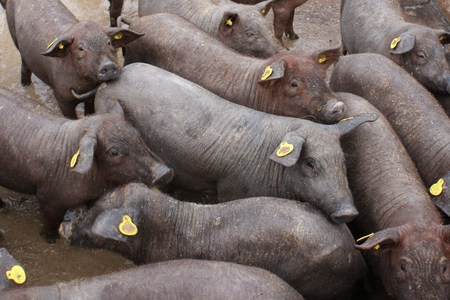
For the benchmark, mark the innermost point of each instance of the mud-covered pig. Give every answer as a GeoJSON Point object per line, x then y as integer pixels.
{"type": "Point", "coordinates": [68, 162]}
{"type": "Point", "coordinates": [176, 279]}
{"type": "Point", "coordinates": [218, 146]}
{"type": "Point", "coordinates": [408, 245]}
{"type": "Point", "coordinates": [290, 239]}
{"type": "Point", "coordinates": [414, 113]}
{"type": "Point", "coordinates": [240, 27]}
{"type": "Point", "coordinates": [381, 28]}
{"type": "Point", "coordinates": [283, 15]}
{"type": "Point", "coordinates": [288, 83]}
{"type": "Point", "coordinates": [72, 57]}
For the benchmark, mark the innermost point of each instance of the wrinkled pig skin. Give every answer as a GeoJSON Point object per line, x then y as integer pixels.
{"type": "Point", "coordinates": [240, 27]}
{"type": "Point", "coordinates": [366, 28]}
{"type": "Point", "coordinates": [72, 57]}
{"type": "Point", "coordinates": [296, 86]}
{"type": "Point", "coordinates": [38, 148]}
{"type": "Point", "coordinates": [279, 235]}
{"type": "Point", "coordinates": [225, 148]}
{"type": "Point", "coordinates": [7, 262]}
{"type": "Point", "coordinates": [176, 279]}
{"type": "Point", "coordinates": [414, 113]}
{"type": "Point", "coordinates": [283, 16]}
{"type": "Point", "coordinates": [410, 247]}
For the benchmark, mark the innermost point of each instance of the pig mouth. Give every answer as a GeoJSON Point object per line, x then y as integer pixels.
{"type": "Point", "coordinates": [84, 95]}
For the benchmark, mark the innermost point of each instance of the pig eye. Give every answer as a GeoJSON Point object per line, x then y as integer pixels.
{"type": "Point", "coordinates": [310, 163]}
{"type": "Point", "coordinates": [421, 54]}
{"type": "Point", "coordinates": [80, 48]}
{"type": "Point", "coordinates": [294, 84]}
{"type": "Point", "coordinates": [403, 267]}
{"type": "Point", "coordinates": [109, 43]}
{"type": "Point", "coordinates": [114, 152]}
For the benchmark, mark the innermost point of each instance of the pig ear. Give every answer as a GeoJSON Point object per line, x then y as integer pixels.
{"type": "Point", "coordinates": [83, 160]}
{"type": "Point", "coordinates": [121, 37]}
{"type": "Point", "coordinates": [273, 72]}
{"type": "Point", "coordinates": [444, 37]}
{"type": "Point", "coordinates": [229, 20]}
{"type": "Point", "coordinates": [380, 242]}
{"type": "Point", "coordinates": [116, 224]}
{"type": "Point", "coordinates": [288, 152]}
{"type": "Point", "coordinates": [60, 47]}
{"type": "Point", "coordinates": [348, 124]}
{"type": "Point", "coordinates": [402, 44]}
{"type": "Point", "coordinates": [327, 57]}
{"type": "Point", "coordinates": [264, 7]}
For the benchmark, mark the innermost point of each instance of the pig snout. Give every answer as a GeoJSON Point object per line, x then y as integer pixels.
{"type": "Point", "coordinates": [108, 71]}
{"type": "Point", "coordinates": [334, 110]}
{"type": "Point", "coordinates": [345, 214]}
{"type": "Point", "coordinates": [162, 175]}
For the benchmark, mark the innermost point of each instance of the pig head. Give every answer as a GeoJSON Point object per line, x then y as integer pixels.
{"type": "Point", "coordinates": [76, 56]}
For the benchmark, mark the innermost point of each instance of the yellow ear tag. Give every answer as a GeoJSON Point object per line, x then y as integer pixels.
{"type": "Point", "coordinates": [267, 72]}
{"type": "Point", "coordinates": [345, 119]}
{"type": "Point", "coordinates": [364, 237]}
{"type": "Point", "coordinates": [155, 189]}
{"type": "Point", "coordinates": [285, 149]}
{"type": "Point", "coordinates": [51, 44]}
{"type": "Point", "coordinates": [127, 227]}
{"type": "Point", "coordinates": [436, 189]}
{"type": "Point", "coordinates": [16, 274]}
{"type": "Point", "coordinates": [263, 11]}
{"type": "Point", "coordinates": [229, 22]}
{"type": "Point", "coordinates": [376, 247]}
{"type": "Point", "coordinates": [73, 161]}
{"type": "Point", "coordinates": [442, 37]}
{"type": "Point", "coordinates": [322, 59]}
{"type": "Point", "coordinates": [395, 42]}
{"type": "Point", "coordinates": [61, 46]}
{"type": "Point", "coordinates": [118, 36]}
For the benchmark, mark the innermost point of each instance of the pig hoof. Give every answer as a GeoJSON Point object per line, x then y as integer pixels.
{"type": "Point", "coordinates": [25, 82]}
{"type": "Point", "coordinates": [50, 238]}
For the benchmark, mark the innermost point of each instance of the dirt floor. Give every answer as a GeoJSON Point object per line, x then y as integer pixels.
{"type": "Point", "coordinates": [316, 23]}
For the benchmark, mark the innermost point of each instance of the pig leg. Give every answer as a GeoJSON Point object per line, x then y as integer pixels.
{"type": "Point", "coordinates": [25, 75]}
{"type": "Point", "coordinates": [89, 107]}
{"type": "Point", "coordinates": [67, 107]}
{"type": "Point", "coordinates": [115, 10]}
{"type": "Point", "coordinates": [52, 219]}
{"type": "Point", "coordinates": [289, 28]}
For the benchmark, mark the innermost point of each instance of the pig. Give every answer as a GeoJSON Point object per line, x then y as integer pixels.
{"type": "Point", "coordinates": [70, 56]}
{"type": "Point", "coordinates": [240, 27]}
{"type": "Point", "coordinates": [176, 279]}
{"type": "Point", "coordinates": [290, 239]}
{"type": "Point", "coordinates": [408, 245]}
{"type": "Point", "coordinates": [414, 113]}
{"type": "Point", "coordinates": [381, 29]}
{"type": "Point", "coordinates": [283, 16]}
{"type": "Point", "coordinates": [288, 83]}
{"type": "Point", "coordinates": [223, 148]}
{"type": "Point", "coordinates": [12, 273]}
{"type": "Point", "coordinates": [66, 163]}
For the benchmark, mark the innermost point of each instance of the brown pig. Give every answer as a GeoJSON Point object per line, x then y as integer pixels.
{"type": "Point", "coordinates": [288, 83]}
{"type": "Point", "coordinates": [69, 162]}
{"type": "Point", "coordinates": [408, 246]}
{"type": "Point", "coordinates": [72, 57]}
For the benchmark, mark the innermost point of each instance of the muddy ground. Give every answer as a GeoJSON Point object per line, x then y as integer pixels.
{"type": "Point", "coordinates": [316, 23]}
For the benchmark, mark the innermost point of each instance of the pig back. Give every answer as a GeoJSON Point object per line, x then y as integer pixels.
{"type": "Point", "coordinates": [413, 112]}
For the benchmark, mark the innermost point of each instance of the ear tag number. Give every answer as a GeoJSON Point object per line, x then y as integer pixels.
{"type": "Point", "coordinates": [16, 274]}
{"type": "Point", "coordinates": [267, 72]}
{"type": "Point", "coordinates": [436, 189]}
{"type": "Point", "coordinates": [127, 227]}
{"type": "Point", "coordinates": [74, 159]}
{"type": "Point", "coordinates": [285, 149]}
{"type": "Point", "coordinates": [395, 42]}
